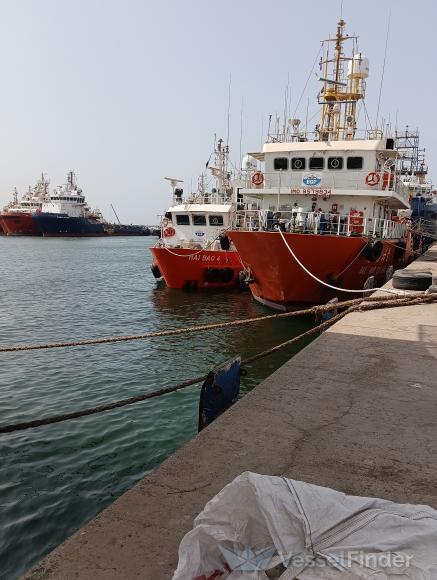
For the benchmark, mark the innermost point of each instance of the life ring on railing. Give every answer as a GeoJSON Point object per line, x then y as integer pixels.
{"type": "Point", "coordinates": [258, 178]}
{"type": "Point", "coordinates": [169, 232]}
{"type": "Point", "coordinates": [372, 178]}
{"type": "Point", "coordinates": [356, 219]}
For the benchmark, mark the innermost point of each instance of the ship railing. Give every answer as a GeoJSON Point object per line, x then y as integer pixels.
{"type": "Point", "coordinates": [303, 136]}
{"type": "Point", "coordinates": [296, 221]}
{"type": "Point", "coordinates": [206, 198]}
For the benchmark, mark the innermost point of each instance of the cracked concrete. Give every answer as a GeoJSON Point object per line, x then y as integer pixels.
{"type": "Point", "coordinates": [355, 410]}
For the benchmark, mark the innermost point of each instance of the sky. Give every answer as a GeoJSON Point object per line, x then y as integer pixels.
{"type": "Point", "coordinates": [126, 92]}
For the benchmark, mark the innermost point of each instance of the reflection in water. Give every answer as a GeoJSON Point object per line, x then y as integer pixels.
{"type": "Point", "coordinates": [54, 479]}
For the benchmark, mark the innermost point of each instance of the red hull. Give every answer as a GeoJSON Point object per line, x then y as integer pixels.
{"type": "Point", "coordinates": [18, 224]}
{"type": "Point", "coordinates": [279, 280]}
{"type": "Point", "coordinates": [187, 268]}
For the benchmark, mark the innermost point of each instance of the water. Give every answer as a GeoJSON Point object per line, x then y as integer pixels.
{"type": "Point", "coordinates": [54, 479]}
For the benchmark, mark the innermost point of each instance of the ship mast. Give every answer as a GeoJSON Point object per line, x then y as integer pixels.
{"type": "Point", "coordinates": [341, 92]}
{"type": "Point", "coordinates": [220, 169]}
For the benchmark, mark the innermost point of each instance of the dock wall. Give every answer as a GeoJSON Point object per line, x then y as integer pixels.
{"type": "Point", "coordinates": [356, 410]}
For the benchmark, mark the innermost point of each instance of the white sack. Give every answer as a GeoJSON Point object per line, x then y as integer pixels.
{"type": "Point", "coordinates": [259, 521]}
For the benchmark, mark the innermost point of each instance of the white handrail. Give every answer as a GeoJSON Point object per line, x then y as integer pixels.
{"type": "Point", "coordinates": [296, 221]}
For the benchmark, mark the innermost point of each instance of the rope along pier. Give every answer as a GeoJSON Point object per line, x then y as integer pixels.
{"type": "Point", "coordinates": [199, 328]}
{"type": "Point", "coordinates": [358, 305]}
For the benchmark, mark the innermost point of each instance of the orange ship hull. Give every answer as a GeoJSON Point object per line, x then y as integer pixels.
{"type": "Point", "coordinates": [187, 268]}
{"type": "Point", "coordinates": [278, 279]}
{"type": "Point", "coordinates": [19, 224]}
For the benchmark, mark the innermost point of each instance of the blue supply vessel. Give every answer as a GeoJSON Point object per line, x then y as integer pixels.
{"type": "Point", "coordinates": [65, 212]}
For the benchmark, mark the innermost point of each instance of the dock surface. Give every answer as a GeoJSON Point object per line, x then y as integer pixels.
{"type": "Point", "coordinates": [356, 411]}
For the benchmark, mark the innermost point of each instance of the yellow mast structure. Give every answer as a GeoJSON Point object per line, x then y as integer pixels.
{"type": "Point", "coordinates": [344, 85]}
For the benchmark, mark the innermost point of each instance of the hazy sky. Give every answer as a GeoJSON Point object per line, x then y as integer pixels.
{"type": "Point", "coordinates": [127, 92]}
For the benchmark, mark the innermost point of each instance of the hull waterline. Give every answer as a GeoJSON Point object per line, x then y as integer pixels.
{"type": "Point", "coordinates": [19, 224]}
{"type": "Point", "coordinates": [188, 268]}
{"type": "Point", "coordinates": [62, 225]}
{"type": "Point", "coordinates": [279, 281]}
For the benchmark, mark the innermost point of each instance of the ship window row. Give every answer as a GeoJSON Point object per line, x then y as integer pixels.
{"type": "Point", "coordinates": [198, 220]}
{"type": "Point", "coordinates": [316, 163]}
{"type": "Point", "coordinates": [78, 199]}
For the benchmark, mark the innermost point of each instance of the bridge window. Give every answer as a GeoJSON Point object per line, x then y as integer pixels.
{"type": "Point", "coordinates": [335, 162]}
{"type": "Point", "coordinates": [215, 220]}
{"type": "Point", "coordinates": [280, 163]}
{"type": "Point", "coordinates": [317, 163]}
{"type": "Point", "coordinates": [354, 162]}
{"type": "Point", "coordinates": [183, 219]}
{"type": "Point", "coordinates": [298, 163]}
{"type": "Point", "coordinates": [199, 220]}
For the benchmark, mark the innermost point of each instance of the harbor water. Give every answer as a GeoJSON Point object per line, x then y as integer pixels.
{"type": "Point", "coordinates": [54, 479]}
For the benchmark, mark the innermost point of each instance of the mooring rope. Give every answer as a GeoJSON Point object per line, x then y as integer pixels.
{"type": "Point", "coordinates": [190, 329]}
{"type": "Point", "coordinates": [364, 304]}
{"type": "Point", "coordinates": [388, 290]}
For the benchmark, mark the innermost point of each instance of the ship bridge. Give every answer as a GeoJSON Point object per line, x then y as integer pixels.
{"type": "Point", "coordinates": [360, 172]}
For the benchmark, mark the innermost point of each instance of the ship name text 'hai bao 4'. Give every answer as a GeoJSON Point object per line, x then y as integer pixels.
{"type": "Point", "coordinates": [325, 210]}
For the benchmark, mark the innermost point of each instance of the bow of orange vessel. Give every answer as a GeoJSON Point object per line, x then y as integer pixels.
{"type": "Point", "coordinates": [193, 251]}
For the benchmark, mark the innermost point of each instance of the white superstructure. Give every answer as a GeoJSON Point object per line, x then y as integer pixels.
{"type": "Point", "coordinates": [68, 199]}
{"type": "Point", "coordinates": [334, 170]}
{"type": "Point", "coordinates": [32, 200]}
{"type": "Point", "coordinates": [197, 221]}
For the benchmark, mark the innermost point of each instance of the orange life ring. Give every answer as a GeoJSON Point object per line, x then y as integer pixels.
{"type": "Point", "coordinates": [169, 232]}
{"type": "Point", "coordinates": [372, 178]}
{"type": "Point", "coordinates": [258, 178]}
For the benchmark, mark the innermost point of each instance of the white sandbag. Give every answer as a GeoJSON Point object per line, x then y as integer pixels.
{"type": "Point", "coordinates": [260, 527]}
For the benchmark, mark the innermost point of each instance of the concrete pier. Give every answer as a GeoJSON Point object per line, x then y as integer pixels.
{"type": "Point", "coordinates": [356, 410]}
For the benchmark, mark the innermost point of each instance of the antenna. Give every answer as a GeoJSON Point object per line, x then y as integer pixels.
{"type": "Point", "coordinates": [241, 128]}
{"type": "Point", "coordinates": [306, 118]}
{"type": "Point", "coordinates": [229, 108]}
{"type": "Point", "coordinates": [383, 69]}
{"type": "Point", "coordinates": [286, 104]}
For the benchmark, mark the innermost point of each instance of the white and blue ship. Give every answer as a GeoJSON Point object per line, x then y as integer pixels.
{"type": "Point", "coordinates": [65, 212]}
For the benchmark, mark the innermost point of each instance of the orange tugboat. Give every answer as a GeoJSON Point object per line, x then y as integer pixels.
{"type": "Point", "coordinates": [330, 211]}
{"type": "Point", "coordinates": [192, 251]}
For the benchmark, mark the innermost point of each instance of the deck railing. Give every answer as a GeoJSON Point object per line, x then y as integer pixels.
{"type": "Point", "coordinates": [303, 135]}
{"type": "Point", "coordinates": [205, 198]}
{"type": "Point", "coordinates": [319, 223]}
